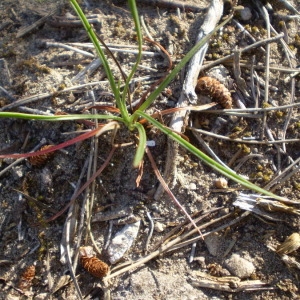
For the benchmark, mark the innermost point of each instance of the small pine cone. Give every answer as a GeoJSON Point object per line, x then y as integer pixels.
{"type": "Point", "coordinates": [214, 89]}
{"type": "Point", "coordinates": [26, 278]}
{"type": "Point", "coordinates": [40, 160]}
{"type": "Point", "coordinates": [95, 266]}
{"type": "Point", "coordinates": [91, 263]}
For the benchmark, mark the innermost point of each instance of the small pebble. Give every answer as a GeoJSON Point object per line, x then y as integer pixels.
{"type": "Point", "coordinates": [221, 183]}
{"type": "Point", "coordinates": [159, 227]}
{"type": "Point", "coordinates": [192, 186]}
{"type": "Point", "coordinates": [122, 242]}
{"type": "Point", "coordinates": [19, 172]}
{"type": "Point", "coordinates": [221, 74]}
{"type": "Point", "coordinates": [190, 15]}
{"type": "Point", "coordinates": [213, 243]}
{"type": "Point", "coordinates": [201, 261]}
{"type": "Point", "coordinates": [239, 266]}
{"type": "Point", "coordinates": [246, 14]}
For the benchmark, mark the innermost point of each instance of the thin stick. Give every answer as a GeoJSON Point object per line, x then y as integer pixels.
{"type": "Point", "coordinates": [24, 30]}
{"type": "Point", "coordinates": [164, 248]}
{"type": "Point", "coordinates": [195, 239]}
{"type": "Point", "coordinates": [288, 6]}
{"type": "Point", "coordinates": [66, 237]}
{"type": "Point", "coordinates": [193, 251]}
{"type": "Point", "coordinates": [225, 138]}
{"type": "Point", "coordinates": [19, 160]}
{"type": "Point", "coordinates": [109, 234]}
{"type": "Point", "coordinates": [254, 95]}
{"type": "Point", "coordinates": [61, 45]}
{"type": "Point", "coordinates": [270, 136]}
{"type": "Point", "coordinates": [93, 187]}
{"type": "Point", "coordinates": [8, 95]}
{"type": "Point", "coordinates": [73, 23]}
{"type": "Point", "coordinates": [38, 97]}
{"type": "Point", "coordinates": [115, 48]}
{"type": "Point", "coordinates": [261, 82]}
{"type": "Point", "coordinates": [289, 115]}
{"type": "Point", "coordinates": [246, 32]}
{"type": "Point", "coordinates": [90, 45]}
{"type": "Point", "coordinates": [188, 94]}
{"type": "Point", "coordinates": [73, 199]}
{"type": "Point", "coordinates": [89, 69]}
{"type": "Point", "coordinates": [267, 70]}
{"type": "Point", "coordinates": [248, 48]}
{"type": "Point", "coordinates": [272, 68]}
{"type": "Point", "coordinates": [240, 82]}
{"type": "Point", "coordinates": [34, 111]}
{"type": "Point", "coordinates": [150, 232]}
{"type": "Point", "coordinates": [173, 5]}
{"type": "Point", "coordinates": [274, 108]}
{"type": "Point", "coordinates": [208, 149]}
{"type": "Point", "coordinates": [285, 178]}
{"type": "Point", "coordinates": [165, 186]}
{"type": "Point", "coordinates": [81, 220]}
{"type": "Point", "coordinates": [280, 176]}
{"type": "Point", "coordinates": [185, 225]}
{"type": "Point", "coordinates": [244, 159]}
{"type": "Point", "coordinates": [292, 63]}
{"type": "Point", "coordinates": [67, 254]}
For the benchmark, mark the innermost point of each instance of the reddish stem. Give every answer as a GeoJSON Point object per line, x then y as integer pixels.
{"type": "Point", "coordinates": [94, 176]}
{"type": "Point", "coordinates": [169, 192]}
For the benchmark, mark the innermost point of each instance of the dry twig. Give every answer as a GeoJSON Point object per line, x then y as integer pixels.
{"type": "Point", "coordinates": [188, 94]}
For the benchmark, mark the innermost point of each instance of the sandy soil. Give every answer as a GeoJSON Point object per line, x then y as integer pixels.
{"type": "Point", "coordinates": [31, 65]}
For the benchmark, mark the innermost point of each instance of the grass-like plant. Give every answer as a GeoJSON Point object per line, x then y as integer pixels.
{"type": "Point", "coordinates": [132, 119]}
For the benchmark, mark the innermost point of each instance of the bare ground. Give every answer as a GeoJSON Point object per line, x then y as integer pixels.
{"type": "Point", "coordinates": [35, 68]}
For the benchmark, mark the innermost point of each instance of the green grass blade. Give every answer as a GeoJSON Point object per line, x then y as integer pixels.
{"type": "Point", "coordinates": [142, 145]}
{"type": "Point", "coordinates": [206, 159]}
{"type": "Point", "coordinates": [182, 63]}
{"type": "Point", "coordinates": [135, 16]}
{"type": "Point", "coordinates": [102, 56]}
{"type": "Point", "coordinates": [57, 118]}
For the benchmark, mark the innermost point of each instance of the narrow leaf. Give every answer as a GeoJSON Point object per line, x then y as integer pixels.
{"type": "Point", "coordinates": [206, 159]}
{"type": "Point", "coordinates": [182, 63]}
{"type": "Point", "coordinates": [141, 146]}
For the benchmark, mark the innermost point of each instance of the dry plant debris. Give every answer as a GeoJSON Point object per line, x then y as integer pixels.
{"type": "Point", "coordinates": [291, 244]}
{"type": "Point", "coordinates": [229, 284]}
{"type": "Point", "coordinates": [257, 137]}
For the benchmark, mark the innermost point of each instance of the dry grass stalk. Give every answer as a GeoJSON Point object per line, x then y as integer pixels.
{"type": "Point", "coordinates": [229, 284]}
{"type": "Point", "coordinates": [291, 244]}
